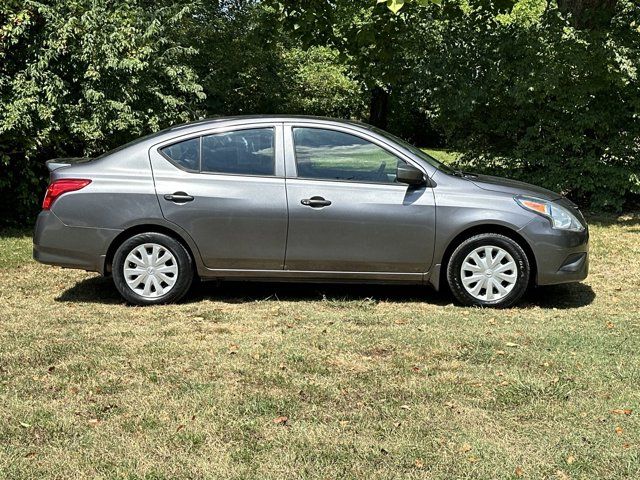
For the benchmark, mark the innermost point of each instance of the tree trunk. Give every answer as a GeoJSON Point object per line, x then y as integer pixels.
{"type": "Point", "coordinates": [589, 14]}
{"type": "Point", "coordinates": [379, 107]}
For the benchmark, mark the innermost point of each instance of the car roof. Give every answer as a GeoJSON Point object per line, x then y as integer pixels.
{"type": "Point", "coordinates": [192, 127]}
{"type": "Point", "coordinates": [272, 118]}
{"type": "Point", "coordinates": [187, 128]}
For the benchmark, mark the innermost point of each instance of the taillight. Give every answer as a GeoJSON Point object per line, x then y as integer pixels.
{"type": "Point", "coordinates": [60, 187]}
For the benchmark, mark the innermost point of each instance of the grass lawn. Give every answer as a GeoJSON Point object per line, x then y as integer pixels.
{"type": "Point", "coordinates": [312, 381]}
{"type": "Point", "coordinates": [445, 156]}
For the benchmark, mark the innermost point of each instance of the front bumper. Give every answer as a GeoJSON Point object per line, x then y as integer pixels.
{"type": "Point", "coordinates": [561, 256]}
{"type": "Point", "coordinates": [55, 243]}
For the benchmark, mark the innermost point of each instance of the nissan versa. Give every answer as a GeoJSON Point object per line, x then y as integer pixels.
{"type": "Point", "coordinates": [302, 199]}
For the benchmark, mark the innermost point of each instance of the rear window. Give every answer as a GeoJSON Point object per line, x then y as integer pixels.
{"type": "Point", "coordinates": [244, 152]}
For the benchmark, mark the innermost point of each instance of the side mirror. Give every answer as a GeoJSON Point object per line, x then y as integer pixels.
{"type": "Point", "coordinates": [409, 174]}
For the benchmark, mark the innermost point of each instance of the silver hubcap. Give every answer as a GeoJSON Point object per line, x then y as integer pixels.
{"type": "Point", "coordinates": [150, 270]}
{"type": "Point", "coordinates": [489, 273]}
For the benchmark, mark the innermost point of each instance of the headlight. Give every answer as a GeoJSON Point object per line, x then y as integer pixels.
{"type": "Point", "coordinates": [560, 217]}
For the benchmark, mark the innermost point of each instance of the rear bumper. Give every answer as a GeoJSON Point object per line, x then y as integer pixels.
{"type": "Point", "coordinates": [55, 243]}
{"type": "Point", "coordinates": [561, 256]}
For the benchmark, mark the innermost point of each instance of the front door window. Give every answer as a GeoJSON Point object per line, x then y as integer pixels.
{"type": "Point", "coordinates": [333, 155]}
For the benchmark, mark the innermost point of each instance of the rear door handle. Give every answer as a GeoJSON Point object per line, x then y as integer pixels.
{"type": "Point", "coordinates": [315, 202]}
{"type": "Point", "coordinates": [179, 197]}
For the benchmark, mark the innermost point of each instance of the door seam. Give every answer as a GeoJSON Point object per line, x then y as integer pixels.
{"type": "Point", "coordinates": [286, 195]}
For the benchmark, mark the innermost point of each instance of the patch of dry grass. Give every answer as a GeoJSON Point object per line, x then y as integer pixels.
{"type": "Point", "coordinates": [377, 382]}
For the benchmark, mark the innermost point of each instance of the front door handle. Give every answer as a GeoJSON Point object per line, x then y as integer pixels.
{"type": "Point", "coordinates": [315, 202]}
{"type": "Point", "coordinates": [179, 197]}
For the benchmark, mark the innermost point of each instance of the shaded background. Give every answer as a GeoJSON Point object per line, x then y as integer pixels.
{"type": "Point", "coordinates": [544, 91]}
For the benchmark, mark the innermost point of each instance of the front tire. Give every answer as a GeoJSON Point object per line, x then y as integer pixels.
{"type": "Point", "coordinates": [152, 268]}
{"type": "Point", "coordinates": [488, 270]}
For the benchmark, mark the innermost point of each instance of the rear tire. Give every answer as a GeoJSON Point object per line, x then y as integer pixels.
{"type": "Point", "coordinates": [488, 270]}
{"type": "Point", "coordinates": [152, 268]}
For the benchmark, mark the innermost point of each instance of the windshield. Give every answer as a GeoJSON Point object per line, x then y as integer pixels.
{"type": "Point", "coordinates": [416, 151]}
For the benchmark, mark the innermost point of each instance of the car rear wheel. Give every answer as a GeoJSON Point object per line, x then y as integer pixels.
{"type": "Point", "coordinates": [152, 268]}
{"type": "Point", "coordinates": [489, 270]}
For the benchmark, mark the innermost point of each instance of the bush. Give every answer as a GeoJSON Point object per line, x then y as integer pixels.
{"type": "Point", "coordinates": [541, 101]}
{"type": "Point", "coordinates": [319, 84]}
{"type": "Point", "coordinates": [522, 88]}
{"type": "Point", "coordinates": [79, 77]}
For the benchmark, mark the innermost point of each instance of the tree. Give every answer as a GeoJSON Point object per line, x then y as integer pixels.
{"type": "Point", "coordinates": [78, 77]}
{"type": "Point", "coordinates": [589, 14]}
{"type": "Point", "coordinates": [541, 101]}
{"type": "Point", "coordinates": [366, 35]}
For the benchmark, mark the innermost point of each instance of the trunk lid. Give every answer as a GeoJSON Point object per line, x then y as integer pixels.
{"type": "Point", "coordinates": [56, 163]}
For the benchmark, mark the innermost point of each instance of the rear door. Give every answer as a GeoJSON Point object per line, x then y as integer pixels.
{"type": "Point", "coordinates": [226, 188]}
{"type": "Point", "coordinates": [347, 213]}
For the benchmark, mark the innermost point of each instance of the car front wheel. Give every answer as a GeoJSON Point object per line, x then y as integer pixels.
{"type": "Point", "coordinates": [152, 268]}
{"type": "Point", "coordinates": [489, 270]}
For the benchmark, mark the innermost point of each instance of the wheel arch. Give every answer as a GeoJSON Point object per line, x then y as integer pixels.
{"type": "Point", "coordinates": [499, 229]}
{"type": "Point", "coordinates": [147, 228]}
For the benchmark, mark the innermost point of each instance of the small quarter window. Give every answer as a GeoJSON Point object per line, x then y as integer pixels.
{"type": "Point", "coordinates": [185, 154]}
{"type": "Point", "coordinates": [243, 152]}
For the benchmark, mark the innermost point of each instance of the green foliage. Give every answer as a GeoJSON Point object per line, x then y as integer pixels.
{"type": "Point", "coordinates": [77, 77]}
{"type": "Point", "coordinates": [319, 84]}
{"type": "Point", "coordinates": [252, 66]}
{"type": "Point", "coordinates": [396, 5]}
{"type": "Point", "coordinates": [524, 12]}
{"type": "Point", "coordinates": [365, 35]}
{"type": "Point", "coordinates": [543, 101]}
{"type": "Point", "coordinates": [240, 62]}
{"type": "Point", "coordinates": [376, 43]}
{"type": "Point", "coordinates": [524, 88]}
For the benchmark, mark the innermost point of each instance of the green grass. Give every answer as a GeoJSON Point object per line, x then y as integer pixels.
{"type": "Point", "coordinates": [445, 156]}
{"type": "Point", "coordinates": [375, 382]}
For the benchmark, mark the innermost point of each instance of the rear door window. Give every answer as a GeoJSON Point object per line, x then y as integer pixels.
{"type": "Point", "coordinates": [242, 152]}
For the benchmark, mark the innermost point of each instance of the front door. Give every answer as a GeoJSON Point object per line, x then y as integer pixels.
{"type": "Point", "coordinates": [347, 213]}
{"type": "Point", "coordinates": [227, 189]}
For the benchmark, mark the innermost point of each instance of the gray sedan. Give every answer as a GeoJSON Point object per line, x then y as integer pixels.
{"type": "Point", "coordinates": [302, 199]}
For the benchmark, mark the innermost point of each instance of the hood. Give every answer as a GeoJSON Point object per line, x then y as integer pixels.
{"type": "Point", "coordinates": [505, 185]}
